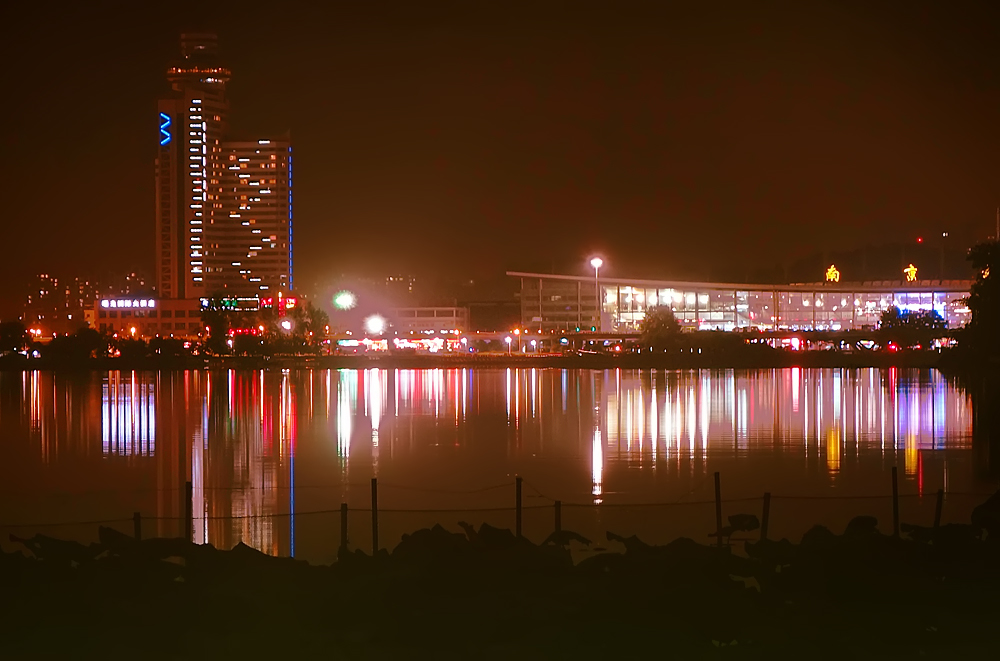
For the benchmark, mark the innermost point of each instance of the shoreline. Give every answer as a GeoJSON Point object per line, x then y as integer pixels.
{"type": "Point", "coordinates": [486, 593]}
{"type": "Point", "coordinates": [707, 360]}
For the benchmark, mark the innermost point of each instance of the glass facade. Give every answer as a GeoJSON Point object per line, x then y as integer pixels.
{"type": "Point", "coordinates": [567, 303]}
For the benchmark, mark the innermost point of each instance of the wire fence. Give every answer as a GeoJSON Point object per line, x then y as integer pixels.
{"type": "Point", "coordinates": [318, 533]}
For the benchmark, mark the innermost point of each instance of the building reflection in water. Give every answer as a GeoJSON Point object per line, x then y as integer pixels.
{"type": "Point", "coordinates": [235, 435]}
{"type": "Point", "coordinates": [128, 415]}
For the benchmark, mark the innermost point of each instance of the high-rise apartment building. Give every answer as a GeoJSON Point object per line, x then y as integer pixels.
{"type": "Point", "coordinates": [250, 238]}
{"type": "Point", "coordinates": [217, 231]}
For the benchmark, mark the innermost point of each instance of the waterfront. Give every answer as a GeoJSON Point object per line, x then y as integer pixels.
{"type": "Point", "coordinates": [265, 450]}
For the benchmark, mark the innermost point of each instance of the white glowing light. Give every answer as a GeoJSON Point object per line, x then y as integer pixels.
{"type": "Point", "coordinates": [375, 325]}
{"type": "Point", "coordinates": [286, 324]}
{"type": "Point", "coordinates": [597, 262]}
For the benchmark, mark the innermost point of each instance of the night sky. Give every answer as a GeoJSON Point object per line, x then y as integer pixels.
{"type": "Point", "coordinates": [464, 139]}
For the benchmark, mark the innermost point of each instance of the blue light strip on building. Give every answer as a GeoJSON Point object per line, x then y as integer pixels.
{"type": "Point", "coordinates": [164, 129]}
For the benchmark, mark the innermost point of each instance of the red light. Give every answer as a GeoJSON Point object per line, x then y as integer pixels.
{"type": "Point", "coordinates": [920, 239]}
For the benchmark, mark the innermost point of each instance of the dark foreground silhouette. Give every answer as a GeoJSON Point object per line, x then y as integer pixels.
{"type": "Point", "coordinates": [485, 594]}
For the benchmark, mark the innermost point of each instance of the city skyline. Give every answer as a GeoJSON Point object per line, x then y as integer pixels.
{"type": "Point", "coordinates": [733, 139]}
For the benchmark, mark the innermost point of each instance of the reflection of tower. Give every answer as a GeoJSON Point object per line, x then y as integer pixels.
{"type": "Point", "coordinates": [247, 462]}
{"type": "Point", "coordinates": [179, 419]}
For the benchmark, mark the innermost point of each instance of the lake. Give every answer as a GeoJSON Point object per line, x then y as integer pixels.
{"type": "Point", "coordinates": [272, 454]}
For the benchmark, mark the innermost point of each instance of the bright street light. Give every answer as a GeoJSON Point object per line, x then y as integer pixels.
{"type": "Point", "coordinates": [286, 324]}
{"type": "Point", "coordinates": [597, 263]}
{"type": "Point", "coordinates": [508, 341]}
{"type": "Point", "coordinates": [374, 325]}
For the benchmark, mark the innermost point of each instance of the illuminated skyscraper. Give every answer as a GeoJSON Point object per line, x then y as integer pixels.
{"type": "Point", "coordinates": [223, 207]}
{"type": "Point", "coordinates": [192, 124]}
{"type": "Point", "coordinates": [250, 238]}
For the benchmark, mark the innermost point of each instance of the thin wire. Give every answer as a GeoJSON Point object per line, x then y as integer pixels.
{"type": "Point", "coordinates": [604, 505]}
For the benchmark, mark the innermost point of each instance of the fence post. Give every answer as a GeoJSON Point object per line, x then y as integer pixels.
{"type": "Point", "coordinates": [558, 525]}
{"type": "Point", "coordinates": [374, 516]}
{"type": "Point", "coordinates": [343, 526]}
{"type": "Point", "coordinates": [188, 511]}
{"type": "Point", "coordinates": [718, 510]}
{"type": "Point", "coordinates": [937, 508]}
{"type": "Point", "coordinates": [765, 516]}
{"type": "Point", "coordinates": [137, 526]}
{"type": "Point", "coordinates": [895, 502]}
{"type": "Point", "coordinates": [517, 506]}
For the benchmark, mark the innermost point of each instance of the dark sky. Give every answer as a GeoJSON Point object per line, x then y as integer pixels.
{"type": "Point", "coordinates": [468, 138]}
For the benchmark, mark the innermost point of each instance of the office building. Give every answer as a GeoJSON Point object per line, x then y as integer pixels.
{"type": "Point", "coordinates": [147, 317]}
{"type": "Point", "coordinates": [618, 305]}
{"type": "Point", "coordinates": [430, 320]}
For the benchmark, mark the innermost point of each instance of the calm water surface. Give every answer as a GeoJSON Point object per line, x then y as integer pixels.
{"type": "Point", "coordinates": [271, 454]}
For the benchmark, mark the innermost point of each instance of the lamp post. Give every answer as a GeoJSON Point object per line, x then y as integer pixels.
{"type": "Point", "coordinates": [508, 341]}
{"type": "Point", "coordinates": [597, 263]}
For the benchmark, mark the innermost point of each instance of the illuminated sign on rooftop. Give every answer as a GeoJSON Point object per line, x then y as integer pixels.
{"type": "Point", "coordinates": [128, 303]}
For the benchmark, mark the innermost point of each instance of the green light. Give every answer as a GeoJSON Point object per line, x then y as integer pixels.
{"type": "Point", "coordinates": [344, 300]}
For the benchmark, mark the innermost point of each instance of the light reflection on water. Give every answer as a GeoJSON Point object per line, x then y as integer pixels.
{"type": "Point", "coordinates": [264, 449]}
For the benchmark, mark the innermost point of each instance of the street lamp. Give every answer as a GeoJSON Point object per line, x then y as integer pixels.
{"type": "Point", "coordinates": [597, 263]}
{"type": "Point", "coordinates": [508, 341]}
{"type": "Point", "coordinates": [375, 325]}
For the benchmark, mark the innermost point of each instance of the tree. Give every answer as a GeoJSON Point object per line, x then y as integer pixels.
{"type": "Point", "coordinates": [79, 346]}
{"type": "Point", "coordinates": [981, 333]}
{"type": "Point", "coordinates": [218, 323]}
{"type": "Point", "coordinates": [13, 336]}
{"type": "Point", "coordinates": [660, 329]}
{"type": "Point", "coordinates": [910, 327]}
{"type": "Point", "coordinates": [891, 319]}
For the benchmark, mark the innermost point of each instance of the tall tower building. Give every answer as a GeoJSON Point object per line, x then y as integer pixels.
{"type": "Point", "coordinates": [192, 124]}
{"type": "Point", "coordinates": [223, 207]}
{"type": "Point", "coordinates": [250, 238]}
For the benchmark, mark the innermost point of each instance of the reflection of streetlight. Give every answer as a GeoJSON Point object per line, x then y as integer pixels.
{"type": "Point", "coordinates": [597, 467]}
{"type": "Point", "coordinates": [508, 341]}
{"type": "Point", "coordinates": [597, 263]}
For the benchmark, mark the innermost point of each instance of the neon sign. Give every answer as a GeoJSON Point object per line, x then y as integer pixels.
{"type": "Point", "coordinates": [164, 129]}
{"type": "Point", "coordinates": [832, 274]}
{"type": "Point", "coordinates": [911, 273]}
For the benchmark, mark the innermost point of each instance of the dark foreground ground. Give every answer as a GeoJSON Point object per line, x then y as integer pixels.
{"type": "Point", "coordinates": [486, 595]}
